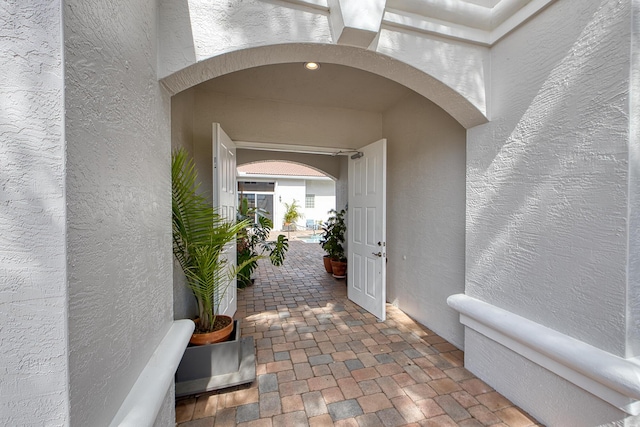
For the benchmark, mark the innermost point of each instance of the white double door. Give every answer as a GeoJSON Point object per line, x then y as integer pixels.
{"type": "Point", "coordinates": [225, 200]}
{"type": "Point", "coordinates": [366, 229]}
{"type": "Point", "coordinates": [366, 224]}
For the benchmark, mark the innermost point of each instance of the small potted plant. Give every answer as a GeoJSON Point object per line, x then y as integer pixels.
{"type": "Point", "coordinates": [332, 241]}
{"type": "Point", "coordinates": [292, 215]}
{"type": "Point", "coordinates": [200, 236]}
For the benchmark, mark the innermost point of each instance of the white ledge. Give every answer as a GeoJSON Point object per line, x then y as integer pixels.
{"type": "Point", "coordinates": [142, 404]}
{"type": "Point", "coordinates": [610, 377]}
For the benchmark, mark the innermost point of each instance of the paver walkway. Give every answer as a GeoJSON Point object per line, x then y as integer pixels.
{"type": "Point", "coordinates": [324, 361]}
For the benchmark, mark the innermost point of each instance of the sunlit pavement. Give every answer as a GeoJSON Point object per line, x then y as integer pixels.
{"type": "Point", "coordinates": [324, 361]}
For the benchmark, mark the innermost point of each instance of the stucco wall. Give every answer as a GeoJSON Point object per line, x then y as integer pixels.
{"type": "Point", "coordinates": [425, 213]}
{"type": "Point", "coordinates": [184, 304]}
{"type": "Point", "coordinates": [33, 292]}
{"type": "Point", "coordinates": [547, 188]}
{"type": "Point", "coordinates": [288, 190]}
{"type": "Point", "coordinates": [342, 184]}
{"type": "Point", "coordinates": [325, 200]}
{"type": "Point", "coordinates": [547, 178]}
{"type": "Point", "coordinates": [633, 281]}
{"type": "Point", "coordinates": [198, 29]}
{"type": "Point", "coordinates": [118, 198]}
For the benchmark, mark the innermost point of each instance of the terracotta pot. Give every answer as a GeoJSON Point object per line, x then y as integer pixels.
{"type": "Point", "coordinates": [213, 337]}
{"type": "Point", "coordinates": [327, 264]}
{"type": "Point", "coordinates": [339, 269]}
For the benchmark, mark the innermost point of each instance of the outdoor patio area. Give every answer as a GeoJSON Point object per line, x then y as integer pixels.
{"type": "Point", "coordinates": [323, 361]}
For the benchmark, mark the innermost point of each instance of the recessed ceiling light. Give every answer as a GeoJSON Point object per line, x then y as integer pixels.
{"type": "Point", "coordinates": [311, 65]}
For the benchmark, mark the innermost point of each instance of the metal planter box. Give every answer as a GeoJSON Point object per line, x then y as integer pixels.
{"type": "Point", "coordinates": [215, 366]}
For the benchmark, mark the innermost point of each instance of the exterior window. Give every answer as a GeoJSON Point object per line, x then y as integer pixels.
{"type": "Point", "coordinates": [310, 201]}
{"type": "Point", "coordinates": [252, 186]}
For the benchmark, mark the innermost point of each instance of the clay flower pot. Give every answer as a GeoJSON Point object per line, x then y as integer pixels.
{"type": "Point", "coordinates": [327, 264]}
{"type": "Point", "coordinates": [339, 269]}
{"type": "Point", "coordinates": [213, 337]}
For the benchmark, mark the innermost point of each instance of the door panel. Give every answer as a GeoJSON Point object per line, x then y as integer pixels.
{"type": "Point", "coordinates": [225, 200]}
{"type": "Point", "coordinates": [366, 229]}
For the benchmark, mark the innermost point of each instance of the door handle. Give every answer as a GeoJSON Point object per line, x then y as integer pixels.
{"type": "Point", "coordinates": [378, 254]}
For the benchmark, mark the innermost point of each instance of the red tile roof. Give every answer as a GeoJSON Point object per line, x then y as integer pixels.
{"type": "Point", "coordinates": [278, 168]}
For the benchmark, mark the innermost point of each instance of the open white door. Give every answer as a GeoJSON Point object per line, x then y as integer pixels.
{"type": "Point", "coordinates": [367, 229]}
{"type": "Point", "coordinates": [226, 201]}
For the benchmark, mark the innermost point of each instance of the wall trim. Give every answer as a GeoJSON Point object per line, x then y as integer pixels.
{"type": "Point", "coordinates": [142, 405]}
{"type": "Point", "coordinates": [467, 33]}
{"type": "Point", "coordinates": [611, 378]}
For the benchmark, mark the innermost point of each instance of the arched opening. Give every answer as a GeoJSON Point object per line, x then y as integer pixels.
{"type": "Point", "coordinates": [463, 101]}
{"type": "Point", "coordinates": [306, 116]}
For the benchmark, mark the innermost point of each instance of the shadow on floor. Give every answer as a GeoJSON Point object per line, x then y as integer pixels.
{"type": "Point", "coordinates": [323, 361]}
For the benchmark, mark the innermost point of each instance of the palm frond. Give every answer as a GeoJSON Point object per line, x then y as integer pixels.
{"type": "Point", "coordinates": [200, 236]}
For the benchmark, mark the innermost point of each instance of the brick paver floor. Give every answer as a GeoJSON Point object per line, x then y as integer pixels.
{"type": "Point", "coordinates": [324, 361]}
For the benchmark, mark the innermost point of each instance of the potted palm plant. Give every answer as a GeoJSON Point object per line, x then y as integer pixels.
{"type": "Point", "coordinates": [200, 236]}
{"type": "Point", "coordinates": [292, 215]}
{"type": "Point", "coordinates": [332, 241]}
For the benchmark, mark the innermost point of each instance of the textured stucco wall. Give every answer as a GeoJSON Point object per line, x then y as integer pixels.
{"type": "Point", "coordinates": [547, 178]}
{"type": "Point", "coordinates": [425, 213]}
{"type": "Point", "coordinates": [547, 189]}
{"type": "Point", "coordinates": [461, 66]}
{"type": "Point", "coordinates": [193, 30]}
{"type": "Point", "coordinates": [33, 292]}
{"type": "Point", "coordinates": [118, 198]}
{"type": "Point", "coordinates": [633, 281]}
{"type": "Point", "coordinates": [342, 184]}
{"type": "Point", "coordinates": [184, 304]}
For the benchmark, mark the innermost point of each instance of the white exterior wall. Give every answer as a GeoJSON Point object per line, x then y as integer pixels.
{"type": "Point", "coordinates": [118, 198]}
{"type": "Point", "coordinates": [286, 192]}
{"type": "Point", "coordinates": [33, 291]}
{"type": "Point", "coordinates": [547, 199]}
{"type": "Point", "coordinates": [182, 104]}
{"type": "Point", "coordinates": [425, 213]}
{"type": "Point", "coordinates": [325, 200]}
{"type": "Point", "coordinates": [633, 304]}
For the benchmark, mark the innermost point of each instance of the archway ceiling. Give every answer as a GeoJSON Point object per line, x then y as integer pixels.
{"type": "Point", "coordinates": [330, 86]}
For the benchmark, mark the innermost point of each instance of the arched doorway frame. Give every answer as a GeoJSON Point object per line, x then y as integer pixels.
{"type": "Point", "coordinates": [462, 108]}
{"type": "Point", "coordinates": [452, 104]}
